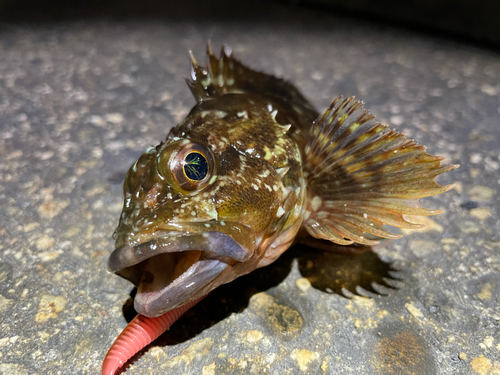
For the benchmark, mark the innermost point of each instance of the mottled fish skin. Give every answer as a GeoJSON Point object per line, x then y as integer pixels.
{"type": "Point", "coordinates": [263, 180]}
{"type": "Point", "coordinates": [258, 190]}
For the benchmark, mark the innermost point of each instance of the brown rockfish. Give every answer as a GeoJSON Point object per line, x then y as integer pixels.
{"type": "Point", "coordinates": [252, 169]}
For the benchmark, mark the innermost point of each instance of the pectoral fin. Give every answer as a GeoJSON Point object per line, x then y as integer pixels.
{"type": "Point", "coordinates": [362, 175]}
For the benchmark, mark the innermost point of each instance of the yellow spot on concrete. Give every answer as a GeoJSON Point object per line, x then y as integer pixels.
{"type": "Point", "coordinates": [44, 242]}
{"type": "Point", "coordinates": [495, 370]}
{"type": "Point", "coordinates": [242, 364]}
{"type": "Point", "coordinates": [489, 90]}
{"type": "Point", "coordinates": [303, 284]}
{"type": "Point", "coordinates": [430, 225]}
{"type": "Point", "coordinates": [382, 313]}
{"type": "Point", "coordinates": [270, 358]}
{"type": "Point", "coordinates": [52, 208]}
{"type": "Point", "coordinates": [114, 118]}
{"type": "Point", "coordinates": [29, 227]}
{"type": "Point", "coordinates": [254, 336]}
{"type": "Point", "coordinates": [49, 255]}
{"type": "Point", "coordinates": [474, 172]}
{"type": "Point", "coordinates": [364, 302]}
{"type": "Point", "coordinates": [325, 364]}
{"type": "Point", "coordinates": [209, 369]}
{"type": "Point", "coordinates": [362, 325]}
{"type": "Point", "coordinates": [350, 307]}
{"type": "Point", "coordinates": [481, 213]}
{"type": "Point", "coordinates": [157, 353]}
{"type": "Point", "coordinates": [95, 190]}
{"type": "Point", "coordinates": [71, 232]}
{"type": "Point", "coordinates": [494, 244]}
{"type": "Point", "coordinates": [413, 310]}
{"type": "Point", "coordinates": [282, 319]}
{"type": "Point", "coordinates": [449, 241]}
{"type": "Point", "coordinates": [14, 368]}
{"type": "Point", "coordinates": [422, 248]}
{"type": "Point", "coordinates": [485, 293]}
{"type": "Point", "coordinates": [4, 341]}
{"type": "Point", "coordinates": [480, 193]}
{"type": "Point", "coordinates": [199, 348]}
{"type": "Point", "coordinates": [462, 356]}
{"type": "Point", "coordinates": [44, 335]}
{"type": "Point", "coordinates": [458, 187]}
{"type": "Point", "coordinates": [5, 303]}
{"type": "Point", "coordinates": [468, 227]}
{"type": "Point", "coordinates": [481, 365]}
{"type": "Point", "coordinates": [334, 314]}
{"type": "Point", "coordinates": [304, 357]}
{"type": "Point", "coordinates": [49, 307]}
{"type": "Point", "coordinates": [488, 341]}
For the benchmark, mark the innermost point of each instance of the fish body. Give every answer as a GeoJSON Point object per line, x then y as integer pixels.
{"type": "Point", "coordinates": [252, 169]}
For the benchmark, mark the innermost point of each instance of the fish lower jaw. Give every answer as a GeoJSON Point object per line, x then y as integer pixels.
{"type": "Point", "coordinates": [173, 279]}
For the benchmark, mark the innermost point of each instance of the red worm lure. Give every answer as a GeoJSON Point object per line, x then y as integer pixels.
{"type": "Point", "coordinates": [139, 333]}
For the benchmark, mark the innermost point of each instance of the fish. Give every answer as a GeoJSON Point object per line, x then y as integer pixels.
{"type": "Point", "coordinates": [253, 169]}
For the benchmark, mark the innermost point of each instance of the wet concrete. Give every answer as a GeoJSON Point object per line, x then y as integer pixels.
{"type": "Point", "coordinates": [81, 99]}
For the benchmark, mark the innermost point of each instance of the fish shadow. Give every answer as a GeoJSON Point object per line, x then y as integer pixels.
{"type": "Point", "coordinates": [350, 270]}
{"type": "Point", "coordinates": [342, 271]}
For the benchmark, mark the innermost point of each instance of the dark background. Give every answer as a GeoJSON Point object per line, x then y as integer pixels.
{"type": "Point", "coordinates": [476, 21]}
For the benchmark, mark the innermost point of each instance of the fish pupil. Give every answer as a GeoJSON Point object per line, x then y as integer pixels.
{"type": "Point", "coordinates": [195, 166]}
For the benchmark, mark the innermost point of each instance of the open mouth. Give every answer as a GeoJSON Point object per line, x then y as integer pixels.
{"type": "Point", "coordinates": [172, 270]}
{"type": "Point", "coordinates": [172, 279]}
{"type": "Point", "coordinates": [167, 268]}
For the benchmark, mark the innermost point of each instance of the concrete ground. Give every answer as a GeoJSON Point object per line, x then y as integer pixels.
{"type": "Point", "coordinates": [82, 98]}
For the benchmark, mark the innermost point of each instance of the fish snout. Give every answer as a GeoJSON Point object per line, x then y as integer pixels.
{"type": "Point", "coordinates": [176, 268]}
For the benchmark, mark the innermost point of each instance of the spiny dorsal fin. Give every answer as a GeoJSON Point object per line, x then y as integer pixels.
{"type": "Point", "coordinates": [226, 74]}
{"type": "Point", "coordinates": [362, 175]}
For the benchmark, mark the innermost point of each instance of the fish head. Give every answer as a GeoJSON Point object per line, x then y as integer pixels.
{"type": "Point", "coordinates": [199, 207]}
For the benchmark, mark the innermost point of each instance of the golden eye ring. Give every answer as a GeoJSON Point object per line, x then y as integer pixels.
{"type": "Point", "coordinates": [187, 166]}
{"type": "Point", "coordinates": [195, 166]}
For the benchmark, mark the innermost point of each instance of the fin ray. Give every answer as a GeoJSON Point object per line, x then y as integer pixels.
{"type": "Point", "coordinates": [325, 232]}
{"type": "Point", "coordinates": [365, 175]}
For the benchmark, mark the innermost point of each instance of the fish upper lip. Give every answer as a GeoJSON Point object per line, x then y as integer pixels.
{"type": "Point", "coordinates": [215, 242]}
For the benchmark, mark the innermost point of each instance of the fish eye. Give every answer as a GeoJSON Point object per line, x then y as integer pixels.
{"type": "Point", "coordinates": [187, 166]}
{"type": "Point", "coordinates": [195, 166]}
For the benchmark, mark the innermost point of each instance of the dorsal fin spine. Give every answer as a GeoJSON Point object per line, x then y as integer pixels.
{"type": "Point", "coordinates": [225, 74]}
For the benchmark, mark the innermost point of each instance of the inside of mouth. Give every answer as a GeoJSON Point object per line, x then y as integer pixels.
{"type": "Point", "coordinates": [163, 269]}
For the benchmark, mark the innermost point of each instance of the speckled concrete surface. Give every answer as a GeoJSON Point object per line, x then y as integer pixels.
{"type": "Point", "coordinates": [79, 101]}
